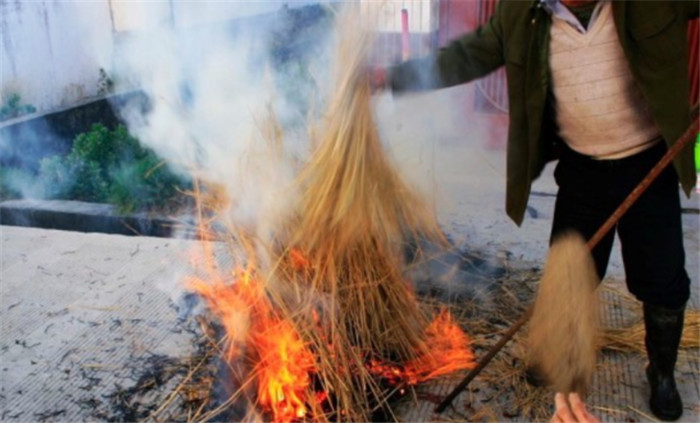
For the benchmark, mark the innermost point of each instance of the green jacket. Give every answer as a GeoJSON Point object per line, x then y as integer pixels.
{"type": "Point", "coordinates": [653, 35]}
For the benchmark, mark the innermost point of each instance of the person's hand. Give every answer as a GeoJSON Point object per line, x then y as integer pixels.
{"type": "Point", "coordinates": [377, 78]}
{"type": "Point", "coordinates": [572, 411]}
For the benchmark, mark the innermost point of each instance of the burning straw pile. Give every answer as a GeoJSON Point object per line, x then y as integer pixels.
{"type": "Point", "coordinates": [320, 322]}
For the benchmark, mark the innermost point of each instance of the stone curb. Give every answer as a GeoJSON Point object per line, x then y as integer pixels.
{"type": "Point", "coordinates": [83, 217]}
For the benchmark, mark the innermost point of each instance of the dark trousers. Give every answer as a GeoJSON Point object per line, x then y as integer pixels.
{"type": "Point", "coordinates": [650, 232]}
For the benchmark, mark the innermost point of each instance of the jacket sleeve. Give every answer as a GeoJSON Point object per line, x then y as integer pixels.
{"type": "Point", "coordinates": [469, 57]}
{"type": "Point", "coordinates": [691, 8]}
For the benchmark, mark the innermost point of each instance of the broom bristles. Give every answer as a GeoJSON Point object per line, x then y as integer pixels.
{"type": "Point", "coordinates": [355, 214]}
{"type": "Point", "coordinates": [332, 273]}
{"type": "Point", "coordinates": [562, 337]}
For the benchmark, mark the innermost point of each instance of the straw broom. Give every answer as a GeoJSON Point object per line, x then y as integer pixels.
{"type": "Point", "coordinates": [354, 219]}
{"type": "Point", "coordinates": [564, 335]}
{"type": "Point", "coordinates": [330, 274]}
{"type": "Point", "coordinates": [334, 270]}
{"type": "Point", "coordinates": [561, 341]}
{"type": "Point", "coordinates": [595, 239]}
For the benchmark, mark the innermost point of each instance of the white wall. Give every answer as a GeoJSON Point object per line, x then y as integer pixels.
{"type": "Point", "coordinates": [48, 53]}
{"type": "Point", "coordinates": [190, 12]}
{"type": "Point", "coordinates": [51, 51]}
{"type": "Point", "coordinates": [385, 15]}
{"type": "Point", "coordinates": [130, 15]}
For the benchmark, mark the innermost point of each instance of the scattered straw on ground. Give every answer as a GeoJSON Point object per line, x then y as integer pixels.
{"type": "Point", "coordinates": [501, 392]}
{"type": "Point", "coordinates": [630, 337]}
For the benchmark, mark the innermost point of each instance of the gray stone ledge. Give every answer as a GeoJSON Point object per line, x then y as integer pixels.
{"type": "Point", "coordinates": [83, 217]}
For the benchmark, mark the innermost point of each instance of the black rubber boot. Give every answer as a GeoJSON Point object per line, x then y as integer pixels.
{"type": "Point", "coordinates": [663, 334]}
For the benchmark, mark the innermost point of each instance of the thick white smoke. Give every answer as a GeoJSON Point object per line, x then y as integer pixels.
{"type": "Point", "coordinates": [210, 90]}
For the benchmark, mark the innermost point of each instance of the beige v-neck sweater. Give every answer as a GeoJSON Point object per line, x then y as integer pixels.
{"type": "Point", "coordinates": [600, 110]}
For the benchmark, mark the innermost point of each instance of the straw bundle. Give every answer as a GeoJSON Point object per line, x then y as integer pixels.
{"type": "Point", "coordinates": [331, 275]}
{"type": "Point", "coordinates": [355, 216]}
{"type": "Point", "coordinates": [562, 344]}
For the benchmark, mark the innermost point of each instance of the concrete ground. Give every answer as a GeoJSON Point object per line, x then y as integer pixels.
{"type": "Point", "coordinates": [82, 313]}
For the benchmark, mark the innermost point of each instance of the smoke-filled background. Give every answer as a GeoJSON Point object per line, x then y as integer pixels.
{"type": "Point", "coordinates": [208, 74]}
{"type": "Point", "coordinates": [211, 88]}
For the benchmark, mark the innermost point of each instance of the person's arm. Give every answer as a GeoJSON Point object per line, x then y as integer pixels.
{"type": "Point", "coordinates": [692, 8]}
{"type": "Point", "coordinates": [472, 56]}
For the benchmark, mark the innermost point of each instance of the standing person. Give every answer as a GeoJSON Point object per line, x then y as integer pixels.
{"type": "Point", "coordinates": [603, 85]}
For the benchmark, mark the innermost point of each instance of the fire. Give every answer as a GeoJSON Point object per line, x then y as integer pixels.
{"type": "Point", "coordinates": [449, 352]}
{"type": "Point", "coordinates": [284, 371]}
{"type": "Point", "coordinates": [341, 322]}
{"type": "Point", "coordinates": [299, 261]}
{"type": "Point", "coordinates": [283, 365]}
{"type": "Point", "coordinates": [281, 362]}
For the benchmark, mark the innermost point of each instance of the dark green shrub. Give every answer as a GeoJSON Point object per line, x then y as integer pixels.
{"type": "Point", "coordinates": [106, 148]}
{"type": "Point", "coordinates": [14, 182]}
{"type": "Point", "coordinates": [111, 166]}
{"type": "Point", "coordinates": [144, 184]}
{"type": "Point", "coordinates": [14, 108]}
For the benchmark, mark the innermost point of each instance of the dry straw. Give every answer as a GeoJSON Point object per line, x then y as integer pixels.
{"type": "Point", "coordinates": [334, 270]}
{"type": "Point", "coordinates": [562, 337]}
{"type": "Point", "coordinates": [629, 337]}
{"type": "Point", "coordinates": [354, 220]}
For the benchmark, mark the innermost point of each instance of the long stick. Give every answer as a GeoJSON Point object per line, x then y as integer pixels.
{"type": "Point", "coordinates": [595, 239]}
{"type": "Point", "coordinates": [639, 189]}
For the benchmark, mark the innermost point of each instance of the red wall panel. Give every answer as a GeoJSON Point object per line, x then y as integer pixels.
{"type": "Point", "coordinates": [484, 102]}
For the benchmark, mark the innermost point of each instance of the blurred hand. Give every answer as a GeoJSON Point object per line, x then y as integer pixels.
{"type": "Point", "coordinates": [377, 78]}
{"type": "Point", "coordinates": [572, 411]}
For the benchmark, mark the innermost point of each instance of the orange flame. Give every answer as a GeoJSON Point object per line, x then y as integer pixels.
{"type": "Point", "coordinates": [449, 352]}
{"type": "Point", "coordinates": [299, 261]}
{"type": "Point", "coordinates": [284, 371]}
{"type": "Point", "coordinates": [282, 364]}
